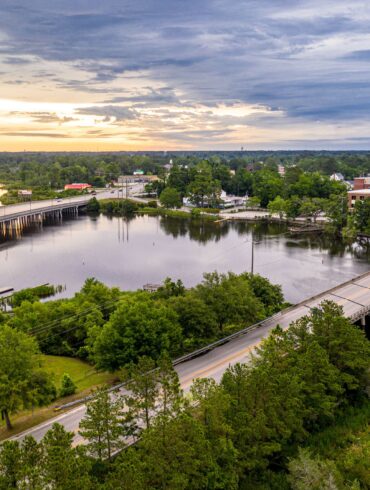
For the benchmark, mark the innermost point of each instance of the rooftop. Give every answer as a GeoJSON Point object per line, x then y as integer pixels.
{"type": "Point", "coordinates": [360, 191]}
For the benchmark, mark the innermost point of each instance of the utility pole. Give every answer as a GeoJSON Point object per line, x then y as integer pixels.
{"type": "Point", "coordinates": [252, 259]}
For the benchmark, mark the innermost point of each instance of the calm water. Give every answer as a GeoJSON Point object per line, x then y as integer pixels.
{"type": "Point", "coordinates": [131, 253]}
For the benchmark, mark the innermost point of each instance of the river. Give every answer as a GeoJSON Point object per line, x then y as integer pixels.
{"type": "Point", "coordinates": [131, 253]}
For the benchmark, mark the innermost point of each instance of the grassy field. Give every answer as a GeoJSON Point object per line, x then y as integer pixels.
{"type": "Point", "coordinates": [84, 376]}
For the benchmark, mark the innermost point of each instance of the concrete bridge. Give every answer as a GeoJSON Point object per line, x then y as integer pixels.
{"type": "Point", "coordinates": [212, 361]}
{"type": "Point", "coordinates": [15, 217]}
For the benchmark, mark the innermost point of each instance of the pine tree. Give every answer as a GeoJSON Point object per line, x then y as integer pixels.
{"type": "Point", "coordinates": [144, 390]}
{"type": "Point", "coordinates": [103, 424]}
{"type": "Point", "coordinates": [68, 387]}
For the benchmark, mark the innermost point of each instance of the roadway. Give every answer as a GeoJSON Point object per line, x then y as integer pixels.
{"type": "Point", "coordinates": [353, 296]}
{"type": "Point", "coordinates": [35, 207]}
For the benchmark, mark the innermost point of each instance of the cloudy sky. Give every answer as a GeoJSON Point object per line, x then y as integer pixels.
{"type": "Point", "coordinates": [184, 74]}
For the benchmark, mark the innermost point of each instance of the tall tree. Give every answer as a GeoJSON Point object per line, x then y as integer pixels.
{"type": "Point", "coordinates": [103, 425]}
{"type": "Point", "coordinates": [64, 467]}
{"type": "Point", "coordinates": [19, 365]}
{"type": "Point", "coordinates": [170, 198]}
{"type": "Point", "coordinates": [143, 389]}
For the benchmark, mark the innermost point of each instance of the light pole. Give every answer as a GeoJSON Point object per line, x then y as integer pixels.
{"type": "Point", "coordinates": [252, 258]}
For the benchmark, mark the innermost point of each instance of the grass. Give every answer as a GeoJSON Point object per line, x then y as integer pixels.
{"type": "Point", "coordinates": [84, 376]}
{"type": "Point", "coordinates": [173, 213]}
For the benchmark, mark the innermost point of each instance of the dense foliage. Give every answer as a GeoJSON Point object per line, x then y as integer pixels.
{"type": "Point", "coordinates": [269, 424]}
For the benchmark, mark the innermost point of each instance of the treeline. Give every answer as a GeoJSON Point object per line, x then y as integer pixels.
{"type": "Point", "coordinates": [56, 169]}
{"type": "Point", "coordinates": [112, 328]}
{"type": "Point", "coordinates": [258, 428]}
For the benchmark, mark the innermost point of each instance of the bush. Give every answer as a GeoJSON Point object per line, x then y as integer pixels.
{"type": "Point", "coordinates": [67, 386]}
{"type": "Point", "coordinates": [152, 204]}
{"type": "Point", "coordinates": [93, 206]}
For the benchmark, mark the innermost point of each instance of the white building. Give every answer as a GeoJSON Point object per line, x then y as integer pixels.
{"type": "Point", "coordinates": [337, 176]}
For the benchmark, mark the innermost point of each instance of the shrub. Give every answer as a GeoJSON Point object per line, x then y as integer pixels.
{"type": "Point", "coordinates": [152, 204]}
{"type": "Point", "coordinates": [67, 387]}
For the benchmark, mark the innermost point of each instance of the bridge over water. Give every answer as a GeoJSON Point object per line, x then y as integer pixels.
{"type": "Point", "coordinates": [15, 217]}
{"type": "Point", "coordinates": [212, 361]}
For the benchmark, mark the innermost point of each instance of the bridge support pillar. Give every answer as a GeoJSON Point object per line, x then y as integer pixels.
{"type": "Point", "coordinates": [363, 321]}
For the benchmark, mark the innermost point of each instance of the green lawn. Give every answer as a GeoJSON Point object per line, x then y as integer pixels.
{"type": "Point", "coordinates": [84, 375]}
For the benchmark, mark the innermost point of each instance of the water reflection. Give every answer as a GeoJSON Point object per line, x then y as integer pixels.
{"type": "Point", "coordinates": [131, 252]}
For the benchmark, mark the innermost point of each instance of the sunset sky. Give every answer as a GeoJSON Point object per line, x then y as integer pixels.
{"type": "Point", "coordinates": [184, 74]}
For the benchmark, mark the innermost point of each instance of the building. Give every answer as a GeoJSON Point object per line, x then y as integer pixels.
{"type": "Point", "coordinates": [357, 195]}
{"type": "Point", "coordinates": [77, 187]}
{"type": "Point", "coordinates": [361, 183]}
{"type": "Point", "coordinates": [281, 170]}
{"type": "Point", "coordinates": [138, 172]}
{"type": "Point", "coordinates": [26, 194]}
{"type": "Point", "coordinates": [337, 176]}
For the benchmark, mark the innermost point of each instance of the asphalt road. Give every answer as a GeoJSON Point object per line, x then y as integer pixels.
{"type": "Point", "coordinates": [353, 296]}
{"type": "Point", "coordinates": [36, 206]}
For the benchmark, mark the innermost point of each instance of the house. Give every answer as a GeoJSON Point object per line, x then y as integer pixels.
{"type": "Point", "coordinates": [138, 172]}
{"type": "Point", "coordinates": [338, 177]}
{"type": "Point", "coordinates": [357, 195]}
{"type": "Point", "coordinates": [231, 201]}
{"type": "Point", "coordinates": [77, 187]}
{"type": "Point", "coordinates": [281, 170]}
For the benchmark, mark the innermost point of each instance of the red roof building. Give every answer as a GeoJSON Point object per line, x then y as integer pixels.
{"type": "Point", "coordinates": [77, 187]}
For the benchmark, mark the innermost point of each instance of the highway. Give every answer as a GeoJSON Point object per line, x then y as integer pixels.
{"type": "Point", "coordinates": [353, 296]}
{"type": "Point", "coordinates": [34, 207]}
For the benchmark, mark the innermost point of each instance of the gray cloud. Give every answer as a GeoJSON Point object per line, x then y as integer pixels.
{"type": "Point", "coordinates": [109, 111]}
{"type": "Point", "coordinates": [277, 53]}
{"type": "Point", "coordinates": [36, 135]}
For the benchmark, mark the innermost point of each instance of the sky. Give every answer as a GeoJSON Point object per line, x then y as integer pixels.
{"type": "Point", "coordinates": [95, 75]}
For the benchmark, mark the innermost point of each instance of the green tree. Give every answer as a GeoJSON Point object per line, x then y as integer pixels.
{"type": "Point", "coordinates": [271, 295]}
{"type": "Point", "coordinates": [170, 392]}
{"type": "Point", "coordinates": [93, 206]}
{"type": "Point", "coordinates": [103, 425]}
{"type": "Point", "coordinates": [312, 208]}
{"type": "Point", "coordinates": [170, 288]}
{"type": "Point", "coordinates": [140, 326]}
{"type": "Point", "coordinates": [267, 185]}
{"type": "Point", "coordinates": [64, 467]}
{"type": "Point", "coordinates": [204, 189]}
{"type": "Point", "coordinates": [277, 206]}
{"type": "Point", "coordinates": [231, 299]}
{"type": "Point", "coordinates": [143, 389]}
{"type": "Point", "coordinates": [10, 465]}
{"type": "Point", "coordinates": [361, 216]}
{"type": "Point", "coordinates": [178, 458]}
{"type": "Point", "coordinates": [346, 345]}
{"type": "Point", "coordinates": [253, 202]}
{"type": "Point", "coordinates": [313, 473]}
{"type": "Point", "coordinates": [196, 318]}
{"type": "Point", "coordinates": [170, 198]}
{"type": "Point", "coordinates": [19, 364]}
{"type": "Point", "coordinates": [67, 386]}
